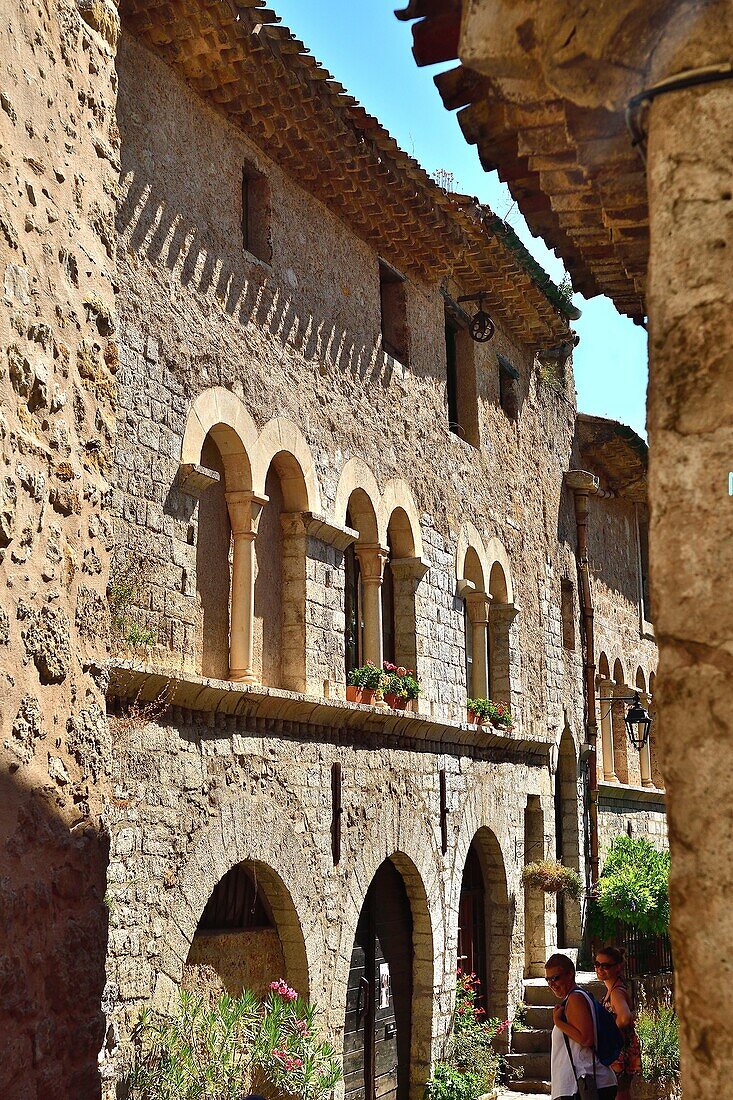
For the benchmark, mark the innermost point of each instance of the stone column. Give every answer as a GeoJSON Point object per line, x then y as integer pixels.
{"type": "Point", "coordinates": [620, 745]}
{"type": "Point", "coordinates": [478, 612]}
{"type": "Point", "coordinates": [293, 641]}
{"type": "Point", "coordinates": [372, 557]}
{"type": "Point", "coordinates": [407, 573]}
{"type": "Point", "coordinates": [605, 691]}
{"type": "Point", "coordinates": [645, 753]}
{"type": "Point", "coordinates": [244, 513]}
{"type": "Point", "coordinates": [503, 687]}
{"type": "Point", "coordinates": [690, 416]}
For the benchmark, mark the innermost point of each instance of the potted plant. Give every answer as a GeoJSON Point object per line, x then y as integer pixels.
{"type": "Point", "coordinates": [400, 685]}
{"type": "Point", "coordinates": [486, 710]}
{"type": "Point", "coordinates": [659, 1036]}
{"type": "Point", "coordinates": [363, 684]}
{"type": "Point", "coordinates": [552, 877]}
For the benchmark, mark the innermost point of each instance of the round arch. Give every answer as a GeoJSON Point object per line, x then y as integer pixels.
{"type": "Point", "coordinates": [501, 569]}
{"type": "Point", "coordinates": [221, 414]}
{"type": "Point", "coordinates": [493, 845]}
{"type": "Point", "coordinates": [619, 677]}
{"type": "Point", "coordinates": [268, 845]}
{"type": "Point", "coordinates": [470, 539]}
{"type": "Point", "coordinates": [402, 840]}
{"type": "Point", "coordinates": [604, 672]}
{"type": "Point", "coordinates": [356, 475]}
{"type": "Point", "coordinates": [282, 443]}
{"type": "Point", "coordinates": [397, 500]}
{"type": "Point", "coordinates": [640, 682]}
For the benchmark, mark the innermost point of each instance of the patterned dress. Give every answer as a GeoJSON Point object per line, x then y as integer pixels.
{"type": "Point", "coordinates": [628, 1063]}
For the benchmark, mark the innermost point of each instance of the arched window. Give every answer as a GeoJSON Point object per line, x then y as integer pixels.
{"type": "Point", "coordinates": [618, 712]}
{"type": "Point", "coordinates": [402, 574]}
{"type": "Point", "coordinates": [645, 758]}
{"type": "Point", "coordinates": [353, 606]}
{"type": "Point", "coordinates": [280, 577]}
{"type": "Point", "coordinates": [363, 599]}
{"type": "Point", "coordinates": [605, 693]}
{"type": "Point", "coordinates": [389, 652]}
{"type": "Point", "coordinates": [476, 620]}
{"type": "Point", "coordinates": [213, 569]}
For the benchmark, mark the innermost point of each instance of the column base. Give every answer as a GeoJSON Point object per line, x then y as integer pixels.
{"type": "Point", "coordinates": [243, 676]}
{"type": "Point", "coordinates": [612, 779]}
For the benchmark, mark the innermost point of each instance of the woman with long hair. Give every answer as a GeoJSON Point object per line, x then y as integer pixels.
{"type": "Point", "coordinates": [609, 965]}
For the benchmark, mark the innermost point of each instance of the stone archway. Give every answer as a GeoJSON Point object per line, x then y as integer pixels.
{"type": "Point", "coordinates": [567, 837]}
{"type": "Point", "coordinates": [238, 943]}
{"type": "Point", "coordinates": [484, 901]}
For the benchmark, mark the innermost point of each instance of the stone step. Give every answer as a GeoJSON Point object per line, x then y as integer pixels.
{"type": "Point", "coordinates": [537, 991]}
{"type": "Point", "coordinates": [528, 1067]}
{"type": "Point", "coordinates": [531, 1041]}
{"type": "Point", "coordinates": [538, 1017]}
{"type": "Point", "coordinates": [530, 1088]}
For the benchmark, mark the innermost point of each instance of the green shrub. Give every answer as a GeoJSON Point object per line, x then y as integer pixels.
{"type": "Point", "coordinates": [633, 888]}
{"type": "Point", "coordinates": [472, 1065]}
{"type": "Point", "coordinates": [222, 1052]}
{"type": "Point", "coordinates": [659, 1035]}
{"type": "Point", "coordinates": [367, 677]}
{"type": "Point", "coordinates": [553, 877]}
{"type": "Point", "coordinates": [486, 710]}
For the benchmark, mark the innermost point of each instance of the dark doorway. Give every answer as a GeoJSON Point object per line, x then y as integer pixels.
{"type": "Point", "coordinates": [472, 924]}
{"type": "Point", "coordinates": [378, 1028]}
{"type": "Point", "coordinates": [567, 837]}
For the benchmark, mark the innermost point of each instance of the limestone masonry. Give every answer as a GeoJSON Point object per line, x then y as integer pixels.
{"type": "Point", "coordinates": [248, 444]}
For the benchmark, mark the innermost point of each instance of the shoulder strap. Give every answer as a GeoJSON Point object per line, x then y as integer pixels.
{"type": "Point", "coordinates": [590, 1001]}
{"type": "Point", "coordinates": [570, 1056]}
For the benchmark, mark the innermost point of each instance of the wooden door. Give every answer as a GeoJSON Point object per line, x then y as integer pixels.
{"type": "Point", "coordinates": [378, 1023]}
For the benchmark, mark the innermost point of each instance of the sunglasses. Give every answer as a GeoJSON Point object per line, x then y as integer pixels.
{"type": "Point", "coordinates": [554, 979]}
{"type": "Point", "coordinates": [603, 966]}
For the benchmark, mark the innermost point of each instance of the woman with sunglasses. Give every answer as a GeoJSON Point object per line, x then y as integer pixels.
{"type": "Point", "coordinates": [609, 964]}
{"type": "Point", "coordinates": [574, 1036]}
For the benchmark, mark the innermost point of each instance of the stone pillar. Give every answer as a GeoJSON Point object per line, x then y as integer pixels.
{"type": "Point", "coordinates": [620, 744]}
{"type": "Point", "coordinates": [372, 557]}
{"type": "Point", "coordinates": [244, 513]}
{"type": "Point", "coordinates": [605, 692]}
{"type": "Point", "coordinates": [407, 573]}
{"type": "Point", "coordinates": [478, 612]}
{"type": "Point", "coordinates": [504, 686]}
{"type": "Point", "coordinates": [293, 643]}
{"type": "Point", "coordinates": [645, 753]}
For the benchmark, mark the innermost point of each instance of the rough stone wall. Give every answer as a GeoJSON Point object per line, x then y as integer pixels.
{"type": "Point", "coordinates": [191, 800]}
{"type": "Point", "coordinates": [58, 359]}
{"type": "Point", "coordinates": [297, 339]}
{"type": "Point", "coordinates": [648, 820]}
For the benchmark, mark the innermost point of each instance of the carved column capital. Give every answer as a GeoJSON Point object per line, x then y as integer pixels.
{"type": "Point", "coordinates": [478, 604]}
{"type": "Point", "coordinates": [372, 559]}
{"type": "Point", "coordinates": [245, 508]}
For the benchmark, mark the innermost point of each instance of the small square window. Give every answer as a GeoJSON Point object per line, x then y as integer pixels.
{"type": "Point", "coordinates": [256, 213]}
{"type": "Point", "coordinates": [393, 305]}
{"type": "Point", "coordinates": [508, 387]}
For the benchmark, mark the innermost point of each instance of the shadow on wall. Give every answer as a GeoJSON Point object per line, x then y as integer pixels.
{"type": "Point", "coordinates": [55, 930]}
{"type": "Point", "coordinates": [153, 228]}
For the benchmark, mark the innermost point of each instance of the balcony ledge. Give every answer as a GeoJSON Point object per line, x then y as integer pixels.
{"type": "Point", "coordinates": [624, 792]}
{"type": "Point", "coordinates": [262, 711]}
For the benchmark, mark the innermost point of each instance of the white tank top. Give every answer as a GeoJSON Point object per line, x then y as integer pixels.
{"type": "Point", "coordinates": [563, 1078]}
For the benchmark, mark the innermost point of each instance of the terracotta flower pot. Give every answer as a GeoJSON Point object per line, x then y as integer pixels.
{"type": "Point", "coordinates": [360, 695]}
{"type": "Point", "coordinates": [396, 702]}
{"type": "Point", "coordinates": [474, 720]}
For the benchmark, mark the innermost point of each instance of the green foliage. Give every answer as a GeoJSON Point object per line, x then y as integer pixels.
{"type": "Point", "coordinates": [367, 677]}
{"type": "Point", "coordinates": [519, 1023]}
{"type": "Point", "coordinates": [565, 286]}
{"type": "Point", "coordinates": [128, 579]}
{"type": "Point", "coordinates": [472, 1065]}
{"type": "Point", "coordinates": [486, 710]}
{"type": "Point", "coordinates": [552, 877]}
{"type": "Point", "coordinates": [633, 888]}
{"type": "Point", "coordinates": [400, 681]}
{"type": "Point", "coordinates": [659, 1035]}
{"type": "Point", "coordinates": [222, 1052]}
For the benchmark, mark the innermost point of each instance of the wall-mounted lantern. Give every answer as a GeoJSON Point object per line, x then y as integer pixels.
{"type": "Point", "coordinates": [481, 328]}
{"type": "Point", "coordinates": [637, 720]}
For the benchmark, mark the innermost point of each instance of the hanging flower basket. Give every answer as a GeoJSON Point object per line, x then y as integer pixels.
{"type": "Point", "coordinates": [553, 877]}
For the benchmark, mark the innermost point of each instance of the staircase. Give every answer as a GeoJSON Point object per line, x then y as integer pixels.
{"type": "Point", "coordinates": [529, 1062]}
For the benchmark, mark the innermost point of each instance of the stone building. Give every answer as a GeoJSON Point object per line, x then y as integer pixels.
{"type": "Point", "coordinates": [613, 127]}
{"type": "Point", "coordinates": [239, 385]}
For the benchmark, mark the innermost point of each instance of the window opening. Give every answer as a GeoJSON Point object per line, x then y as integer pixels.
{"type": "Point", "coordinates": [461, 389]}
{"type": "Point", "coordinates": [354, 621]}
{"type": "Point", "coordinates": [393, 305]}
{"type": "Point", "coordinates": [256, 213]}
{"type": "Point", "coordinates": [451, 378]}
{"type": "Point", "coordinates": [388, 619]}
{"type": "Point", "coordinates": [567, 613]}
{"type": "Point", "coordinates": [643, 529]}
{"type": "Point", "coordinates": [236, 902]}
{"type": "Point", "coordinates": [468, 630]}
{"type": "Point", "coordinates": [508, 387]}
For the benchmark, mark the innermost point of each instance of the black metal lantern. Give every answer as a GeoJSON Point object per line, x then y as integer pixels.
{"type": "Point", "coordinates": [481, 327]}
{"type": "Point", "coordinates": [638, 723]}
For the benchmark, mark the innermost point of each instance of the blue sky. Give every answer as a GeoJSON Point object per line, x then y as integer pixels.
{"type": "Point", "coordinates": [369, 52]}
